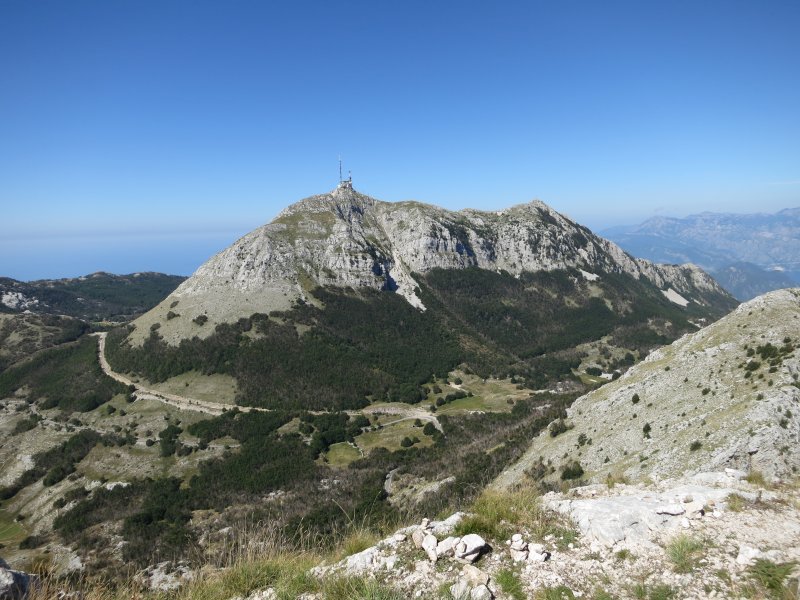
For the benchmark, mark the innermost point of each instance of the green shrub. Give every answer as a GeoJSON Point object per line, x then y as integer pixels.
{"type": "Point", "coordinates": [558, 427]}
{"type": "Point", "coordinates": [68, 377]}
{"type": "Point", "coordinates": [573, 470]}
{"type": "Point", "coordinates": [30, 542]}
{"type": "Point", "coordinates": [169, 440]}
{"type": "Point", "coordinates": [26, 424]}
{"type": "Point", "coordinates": [736, 502]}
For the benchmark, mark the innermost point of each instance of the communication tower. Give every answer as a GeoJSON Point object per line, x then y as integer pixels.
{"type": "Point", "coordinates": [345, 183]}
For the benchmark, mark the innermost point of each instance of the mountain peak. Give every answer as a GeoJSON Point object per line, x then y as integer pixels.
{"type": "Point", "coordinates": [346, 239]}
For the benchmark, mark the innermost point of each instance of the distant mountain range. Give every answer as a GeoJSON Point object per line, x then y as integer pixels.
{"type": "Point", "coordinates": [95, 297]}
{"type": "Point", "coordinates": [748, 254]}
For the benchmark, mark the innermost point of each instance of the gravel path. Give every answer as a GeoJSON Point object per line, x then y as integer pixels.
{"type": "Point", "coordinates": [215, 408]}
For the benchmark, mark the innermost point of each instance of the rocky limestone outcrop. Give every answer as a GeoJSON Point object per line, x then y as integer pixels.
{"type": "Point", "coordinates": [621, 545]}
{"type": "Point", "coordinates": [15, 585]}
{"type": "Point", "coordinates": [727, 396]}
{"type": "Point", "coordinates": [347, 239]}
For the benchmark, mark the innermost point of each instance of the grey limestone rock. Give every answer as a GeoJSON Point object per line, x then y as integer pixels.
{"type": "Point", "coordinates": [15, 585]}
{"type": "Point", "coordinates": [429, 544]}
{"type": "Point", "coordinates": [470, 548]}
{"type": "Point", "coordinates": [481, 592]}
{"type": "Point", "coordinates": [347, 239]}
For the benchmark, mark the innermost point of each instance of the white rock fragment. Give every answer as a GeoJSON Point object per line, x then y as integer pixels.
{"type": "Point", "coordinates": [470, 547]}
{"type": "Point", "coordinates": [447, 546]}
{"type": "Point", "coordinates": [460, 589]}
{"type": "Point", "coordinates": [735, 473]}
{"type": "Point", "coordinates": [361, 562]}
{"type": "Point", "coordinates": [518, 548]}
{"type": "Point", "coordinates": [267, 594]}
{"type": "Point", "coordinates": [429, 544]}
{"type": "Point", "coordinates": [747, 555]}
{"type": "Point", "coordinates": [481, 592]}
{"type": "Point", "coordinates": [694, 509]}
{"type": "Point", "coordinates": [446, 527]}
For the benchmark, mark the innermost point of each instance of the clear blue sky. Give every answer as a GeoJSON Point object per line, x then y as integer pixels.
{"type": "Point", "coordinates": [146, 135]}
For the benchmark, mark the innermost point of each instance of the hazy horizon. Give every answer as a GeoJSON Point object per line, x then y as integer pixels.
{"type": "Point", "coordinates": [48, 255]}
{"type": "Point", "coordinates": [203, 120]}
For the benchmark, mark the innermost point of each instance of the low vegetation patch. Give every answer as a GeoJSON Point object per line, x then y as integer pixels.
{"type": "Point", "coordinates": [498, 515]}
{"type": "Point", "coordinates": [511, 584]}
{"type": "Point", "coordinates": [683, 552]}
{"type": "Point", "coordinates": [772, 576]}
{"type": "Point", "coordinates": [659, 591]}
{"type": "Point", "coordinates": [54, 465]}
{"type": "Point", "coordinates": [736, 502]}
{"type": "Point", "coordinates": [560, 592]}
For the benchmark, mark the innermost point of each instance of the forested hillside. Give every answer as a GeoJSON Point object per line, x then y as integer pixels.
{"type": "Point", "coordinates": [95, 297]}
{"type": "Point", "coordinates": [351, 346]}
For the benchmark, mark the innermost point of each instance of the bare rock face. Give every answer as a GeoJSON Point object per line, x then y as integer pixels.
{"type": "Point", "coordinates": [347, 239]}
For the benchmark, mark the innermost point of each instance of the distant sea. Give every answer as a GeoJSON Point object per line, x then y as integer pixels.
{"type": "Point", "coordinates": [58, 257]}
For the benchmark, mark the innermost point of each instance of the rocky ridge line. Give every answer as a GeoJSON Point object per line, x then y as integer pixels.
{"type": "Point", "coordinates": [347, 239]}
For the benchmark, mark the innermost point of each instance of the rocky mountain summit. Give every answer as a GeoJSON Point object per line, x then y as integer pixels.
{"type": "Point", "coordinates": [347, 239]}
{"type": "Point", "coordinates": [725, 396]}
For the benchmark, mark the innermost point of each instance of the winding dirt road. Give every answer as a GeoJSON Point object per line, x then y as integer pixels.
{"type": "Point", "coordinates": [215, 408]}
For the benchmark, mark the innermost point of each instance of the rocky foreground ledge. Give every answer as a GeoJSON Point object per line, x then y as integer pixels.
{"type": "Point", "coordinates": [14, 585]}
{"type": "Point", "coordinates": [712, 535]}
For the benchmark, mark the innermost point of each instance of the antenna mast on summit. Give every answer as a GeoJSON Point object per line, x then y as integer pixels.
{"type": "Point", "coordinates": [344, 183]}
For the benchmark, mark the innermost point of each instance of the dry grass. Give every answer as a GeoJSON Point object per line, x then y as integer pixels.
{"type": "Point", "coordinates": [253, 557]}
{"type": "Point", "coordinates": [736, 502]}
{"type": "Point", "coordinates": [342, 454]}
{"type": "Point", "coordinates": [683, 551]}
{"type": "Point", "coordinates": [499, 514]}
